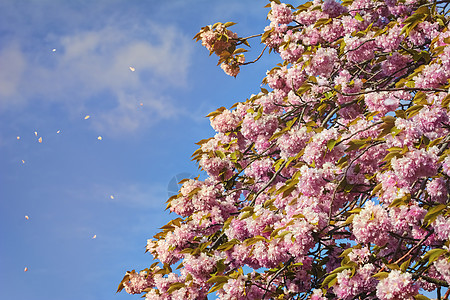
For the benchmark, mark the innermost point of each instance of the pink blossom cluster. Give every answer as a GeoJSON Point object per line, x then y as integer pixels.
{"type": "Point", "coordinates": [291, 49]}
{"type": "Point", "coordinates": [397, 285]}
{"type": "Point", "coordinates": [359, 49]}
{"type": "Point", "coordinates": [280, 13]}
{"type": "Point", "coordinates": [348, 286]}
{"type": "Point", "coordinates": [217, 39]}
{"type": "Point", "coordinates": [225, 122]}
{"type": "Point", "coordinates": [406, 220]}
{"type": "Point", "coordinates": [323, 62]}
{"type": "Point", "coordinates": [382, 102]}
{"type": "Point", "coordinates": [442, 266]}
{"type": "Point", "coordinates": [137, 282]}
{"type": "Point", "coordinates": [415, 164]}
{"type": "Point", "coordinates": [236, 288]}
{"type": "Point", "coordinates": [372, 224]}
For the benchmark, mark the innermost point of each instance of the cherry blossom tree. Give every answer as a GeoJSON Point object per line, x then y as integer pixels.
{"type": "Point", "coordinates": [332, 183]}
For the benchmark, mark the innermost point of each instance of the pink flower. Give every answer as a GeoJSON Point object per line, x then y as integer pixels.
{"type": "Point", "coordinates": [415, 164]}
{"type": "Point", "coordinates": [442, 228]}
{"type": "Point", "coordinates": [446, 165]}
{"type": "Point", "coordinates": [137, 282]}
{"type": "Point", "coordinates": [252, 127]}
{"type": "Point", "coordinates": [333, 8]}
{"type": "Point", "coordinates": [437, 189]}
{"type": "Point", "coordinates": [348, 286]}
{"type": "Point", "coordinates": [293, 141]}
{"type": "Point", "coordinates": [398, 286]}
{"type": "Point", "coordinates": [359, 49]}
{"type": "Point", "coordinates": [391, 40]}
{"type": "Point", "coordinates": [407, 220]}
{"type": "Point", "coordinates": [442, 265]}
{"type": "Point", "coordinates": [318, 295]}
{"type": "Point", "coordinates": [372, 224]}
{"type": "Point", "coordinates": [395, 65]}
{"type": "Point", "coordinates": [323, 62]}
{"type": "Point", "coordinates": [280, 13]}
{"type": "Point", "coordinates": [225, 122]}
{"type": "Point", "coordinates": [382, 102]}
{"type": "Point", "coordinates": [231, 69]}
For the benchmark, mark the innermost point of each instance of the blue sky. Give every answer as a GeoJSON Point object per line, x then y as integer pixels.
{"type": "Point", "coordinates": [61, 61]}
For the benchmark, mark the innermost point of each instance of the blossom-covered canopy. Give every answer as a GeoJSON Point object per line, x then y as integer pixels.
{"type": "Point", "coordinates": [332, 183]}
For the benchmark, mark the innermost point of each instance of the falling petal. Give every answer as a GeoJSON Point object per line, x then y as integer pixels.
{"type": "Point", "coordinates": [35, 133]}
{"type": "Point", "coordinates": [54, 50]}
{"type": "Point", "coordinates": [141, 104]}
{"type": "Point", "coordinates": [18, 137]}
{"type": "Point", "coordinates": [94, 236]}
{"type": "Point", "coordinates": [26, 269]}
{"type": "Point", "coordinates": [40, 140]}
{"type": "Point", "coordinates": [26, 217]}
{"type": "Point", "coordinates": [112, 197]}
{"type": "Point", "coordinates": [132, 69]}
{"type": "Point", "coordinates": [23, 161]}
{"type": "Point", "coordinates": [99, 138]}
{"type": "Point", "coordinates": [87, 117]}
{"type": "Point", "coordinates": [58, 131]}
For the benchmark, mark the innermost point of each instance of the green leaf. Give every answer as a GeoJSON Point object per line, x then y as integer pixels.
{"type": "Point", "coordinates": [331, 143]}
{"type": "Point", "coordinates": [218, 279]}
{"type": "Point", "coordinates": [421, 297]}
{"type": "Point", "coordinates": [349, 220]}
{"type": "Point", "coordinates": [398, 202]}
{"type": "Point", "coordinates": [126, 278]}
{"type": "Point", "coordinates": [266, 35]}
{"type": "Point", "coordinates": [175, 286]}
{"type": "Point", "coordinates": [332, 282]}
{"type": "Point", "coordinates": [432, 255]}
{"type": "Point", "coordinates": [220, 154]}
{"type": "Point", "coordinates": [304, 88]}
{"type": "Point", "coordinates": [433, 213]}
{"type": "Point", "coordinates": [228, 245]}
{"type": "Point", "coordinates": [376, 189]}
{"type": "Point", "coordinates": [328, 281]}
{"type": "Point", "coordinates": [358, 17]}
{"type": "Point", "coordinates": [381, 275]}
{"type": "Point", "coordinates": [239, 50]}
{"type": "Point", "coordinates": [228, 24]}
{"type": "Point", "coordinates": [435, 142]}
{"type": "Point", "coordinates": [254, 240]}
{"type": "Point", "coordinates": [347, 2]}
{"type": "Point", "coordinates": [346, 252]}
{"type": "Point", "coordinates": [393, 266]}
{"type": "Point", "coordinates": [245, 215]}
{"type": "Point", "coordinates": [355, 211]}
{"type": "Point", "coordinates": [405, 265]}
{"type": "Point", "coordinates": [340, 269]}
{"type": "Point", "coordinates": [216, 287]}
{"type": "Point", "coordinates": [388, 124]}
{"type": "Point", "coordinates": [321, 22]}
{"type": "Point", "coordinates": [413, 110]}
{"type": "Point", "coordinates": [216, 112]}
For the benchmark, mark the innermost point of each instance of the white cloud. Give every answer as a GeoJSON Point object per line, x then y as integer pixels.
{"type": "Point", "coordinates": [90, 64]}
{"type": "Point", "coordinates": [12, 66]}
{"type": "Point", "coordinates": [129, 115]}
{"type": "Point", "coordinates": [148, 195]}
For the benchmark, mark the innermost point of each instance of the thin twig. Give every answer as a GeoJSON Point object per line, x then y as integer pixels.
{"type": "Point", "coordinates": [251, 62]}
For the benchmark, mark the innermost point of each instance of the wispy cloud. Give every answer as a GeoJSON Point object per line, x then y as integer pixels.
{"type": "Point", "coordinates": [13, 63]}
{"type": "Point", "coordinates": [93, 65]}
{"type": "Point", "coordinates": [128, 194]}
